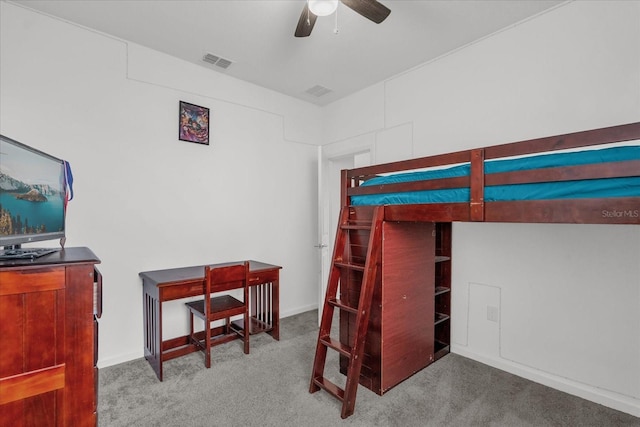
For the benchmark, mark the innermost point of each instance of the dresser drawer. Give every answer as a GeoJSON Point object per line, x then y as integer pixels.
{"type": "Point", "coordinates": [31, 280]}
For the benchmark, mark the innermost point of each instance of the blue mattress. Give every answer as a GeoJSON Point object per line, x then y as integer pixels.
{"type": "Point", "coordinates": [594, 188]}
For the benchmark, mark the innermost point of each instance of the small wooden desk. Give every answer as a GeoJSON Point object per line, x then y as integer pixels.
{"type": "Point", "coordinates": [165, 285]}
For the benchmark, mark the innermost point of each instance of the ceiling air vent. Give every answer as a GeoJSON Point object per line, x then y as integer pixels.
{"type": "Point", "coordinates": [216, 60]}
{"type": "Point", "coordinates": [318, 91]}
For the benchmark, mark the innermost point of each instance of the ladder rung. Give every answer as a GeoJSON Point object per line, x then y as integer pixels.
{"type": "Point", "coordinates": [345, 350]}
{"type": "Point", "coordinates": [329, 387]}
{"type": "Point", "coordinates": [355, 227]}
{"type": "Point", "coordinates": [338, 303]}
{"type": "Point", "coordinates": [349, 266]}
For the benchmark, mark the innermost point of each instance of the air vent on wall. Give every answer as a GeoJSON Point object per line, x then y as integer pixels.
{"type": "Point", "coordinates": [318, 91]}
{"type": "Point", "coordinates": [216, 60]}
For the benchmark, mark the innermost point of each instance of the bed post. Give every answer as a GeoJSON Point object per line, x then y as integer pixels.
{"type": "Point", "coordinates": [477, 185]}
{"type": "Point", "coordinates": [344, 186]}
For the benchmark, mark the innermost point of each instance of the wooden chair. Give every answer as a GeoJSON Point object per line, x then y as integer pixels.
{"type": "Point", "coordinates": [217, 280]}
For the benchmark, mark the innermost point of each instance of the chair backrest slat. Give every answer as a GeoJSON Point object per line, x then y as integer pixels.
{"type": "Point", "coordinates": [226, 278]}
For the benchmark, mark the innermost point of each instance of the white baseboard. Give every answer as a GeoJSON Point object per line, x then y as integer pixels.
{"type": "Point", "coordinates": [298, 310]}
{"type": "Point", "coordinates": [122, 358]}
{"type": "Point", "coordinates": [607, 398]}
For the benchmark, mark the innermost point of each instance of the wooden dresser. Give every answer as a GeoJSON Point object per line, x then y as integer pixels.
{"type": "Point", "coordinates": [410, 312]}
{"type": "Point", "coordinates": [49, 339]}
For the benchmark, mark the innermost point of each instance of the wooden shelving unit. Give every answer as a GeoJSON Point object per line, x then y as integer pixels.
{"type": "Point", "coordinates": [410, 319]}
{"type": "Point", "coordinates": [442, 294]}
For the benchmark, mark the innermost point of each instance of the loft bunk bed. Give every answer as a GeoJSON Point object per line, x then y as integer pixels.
{"type": "Point", "coordinates": [390, 277]}
{"type": "Point", "coordinates": [508, 183]}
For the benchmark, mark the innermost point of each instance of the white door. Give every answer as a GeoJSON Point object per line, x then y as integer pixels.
{"type": "Point", "coordinates": [329, 210]}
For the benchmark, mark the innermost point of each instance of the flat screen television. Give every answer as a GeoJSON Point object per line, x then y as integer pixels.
{"type": "Point", "coordinates": [32, 198]}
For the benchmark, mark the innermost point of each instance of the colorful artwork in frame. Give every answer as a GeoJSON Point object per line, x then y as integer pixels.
{"type": "Point", "coordinates": [194, 123]}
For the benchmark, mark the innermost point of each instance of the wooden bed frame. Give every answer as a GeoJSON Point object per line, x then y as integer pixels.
{"type": "Point", "coordinates": [586, 211]}
{"type": "Point", "coordinates": [392, 262]}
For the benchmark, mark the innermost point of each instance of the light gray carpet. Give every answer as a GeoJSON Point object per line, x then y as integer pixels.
{"type": "Point", "coordinates": [269, 387]}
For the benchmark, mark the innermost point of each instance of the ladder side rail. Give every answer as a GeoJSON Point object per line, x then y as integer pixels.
{"type": "Point", "coordinates": [327, 309]}
{"type": "Point", "coordinates": [373, 260]}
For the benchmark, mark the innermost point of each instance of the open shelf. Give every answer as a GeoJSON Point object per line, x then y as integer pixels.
{"type": "Point", "coordinates": [442, 290]}
{"type": "Point", "coordinates": [256, 326]}
{"type": "Point", "coordinates": [440, 349]}
{"type": "Point", "coordinates": [440, 317]}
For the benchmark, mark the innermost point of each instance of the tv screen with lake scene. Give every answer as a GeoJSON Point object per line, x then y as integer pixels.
{"type": "Point", "coordinates": [32, 194]}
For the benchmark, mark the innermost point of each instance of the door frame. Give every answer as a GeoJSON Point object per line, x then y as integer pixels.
{"type": "Point", "coordinates": [329, 167]}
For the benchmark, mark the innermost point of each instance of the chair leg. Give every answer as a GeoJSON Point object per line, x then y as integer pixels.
{"type": "Point", "coordinates": [207, 344]}
{"type": "Point", "coordinates": [246, 332]}
{"type": "Point", "coordinates": [191, 333]}
{"type": "Point", "coordinates": [227, 326]}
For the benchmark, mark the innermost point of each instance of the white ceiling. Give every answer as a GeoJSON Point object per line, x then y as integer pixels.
{"type": "Point", "coordinates": [257, 36]}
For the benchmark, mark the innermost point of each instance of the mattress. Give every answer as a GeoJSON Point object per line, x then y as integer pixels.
{"type": "Point", "coordinates": [592, 188]}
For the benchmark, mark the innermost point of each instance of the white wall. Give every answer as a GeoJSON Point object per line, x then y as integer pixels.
{"type": "Point", "coordinates": [145, 200]}
{"type": "Point", "coordinates": [567, 296]}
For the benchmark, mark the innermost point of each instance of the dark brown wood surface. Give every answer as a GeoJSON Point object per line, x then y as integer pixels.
{"type": "Point", "coordinates": [48, 374]}
{"type": "Point", "coordinates": [407, 305]}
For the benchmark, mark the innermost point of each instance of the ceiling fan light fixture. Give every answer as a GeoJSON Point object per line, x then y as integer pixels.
{"type": "Point", "coordinates": [323, 7]}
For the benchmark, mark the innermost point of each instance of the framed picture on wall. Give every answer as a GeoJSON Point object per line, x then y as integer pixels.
{"type": "Point", "coordinates": [194, 123]}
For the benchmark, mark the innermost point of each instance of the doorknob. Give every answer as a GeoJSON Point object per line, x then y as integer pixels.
{"type": "Point", "coordinates": [320, 246]}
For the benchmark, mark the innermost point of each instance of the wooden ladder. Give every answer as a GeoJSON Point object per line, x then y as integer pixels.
{"type": "Point", "coordinates": [343, 263]}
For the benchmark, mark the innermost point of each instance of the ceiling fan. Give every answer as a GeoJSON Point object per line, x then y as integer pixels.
{"type": "Point", "coordinates": [370, 9]}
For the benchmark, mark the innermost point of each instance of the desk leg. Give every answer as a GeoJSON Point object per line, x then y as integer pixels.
{"type": "Point", "coordinates": [152, 318]}
{"type": "Point", "coordinates": [275, 306]}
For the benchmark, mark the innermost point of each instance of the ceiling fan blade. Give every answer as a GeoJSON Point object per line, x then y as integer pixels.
{"type": "Point", "coordinates": [306, 22]}
{"type": "Point", "coordinates": [370, 9]}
